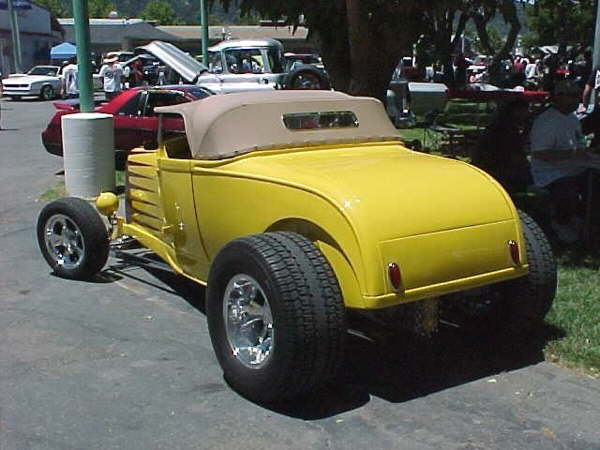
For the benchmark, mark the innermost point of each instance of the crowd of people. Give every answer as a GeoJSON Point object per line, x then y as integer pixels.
{"type": "Point", "coordinates": [114, 76]}
{"type": "Point", "coordinates": [532, 71]}
{"type": "Point", "coordinates": [549, 151]}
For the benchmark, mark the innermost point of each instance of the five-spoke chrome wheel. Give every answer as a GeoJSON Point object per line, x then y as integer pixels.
{"type": "Point", "coordinates": [72, 238]}
{"type": "Point", "coordinates": [64, 241]}
{"type": "Point", "coordinates": [248, 321]}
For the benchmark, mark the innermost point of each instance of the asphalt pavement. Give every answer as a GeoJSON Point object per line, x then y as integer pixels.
{"type": "Point", "coordinates": [125, 362]}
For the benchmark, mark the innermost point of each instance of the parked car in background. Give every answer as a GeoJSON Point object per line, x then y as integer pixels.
{"type": "Point", "coordinates": [121, 55]}
{"type": "Point", "coordinates": [236, 66]}
{"type": "Point", "coordinates": [405, 100]}
{"type": "Point", "coordinates": [44, 82]}
{"type": "Point", "coordinates": [40, 81]}
{"type": "Point", "coordinates": [134, 119]}
{"type": "Point", "coordinates": [292, 60]}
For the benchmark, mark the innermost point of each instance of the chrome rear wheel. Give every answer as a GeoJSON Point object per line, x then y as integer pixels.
{"type": "Point", "coordinates": [248, 321]}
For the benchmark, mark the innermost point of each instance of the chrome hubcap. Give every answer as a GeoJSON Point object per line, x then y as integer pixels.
{"type": "Point", "coordinates": [248, 321]}
{"type": "Point", "coordinates": [64, 241]}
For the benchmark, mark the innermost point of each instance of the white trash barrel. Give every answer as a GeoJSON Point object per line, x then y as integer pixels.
{"type": "Point", "coordinates": [88, 154]}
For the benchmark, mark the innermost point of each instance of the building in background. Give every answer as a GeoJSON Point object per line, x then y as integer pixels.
{"type": "Point", "coordinates": [118, 34]}
{"type": "Point", "coordinates": [126, 34]}
{"type": "Point", "coordinates": [39, 31]}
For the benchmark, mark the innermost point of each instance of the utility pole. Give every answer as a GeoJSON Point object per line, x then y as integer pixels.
{"type": "Point", "coordinates": [596, 61]}
{"type": "Point", "coordinates": [596, 54]}
{"type": "Point", "coordinates": [204, 24]}
{"type": "Point", "coordinates": [16, 38]}
{"type": "Point", "coordinates": [84, 66]}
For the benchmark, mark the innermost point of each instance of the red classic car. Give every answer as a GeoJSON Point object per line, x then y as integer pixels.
{"type": "Point", "coordinates": [134, 119]}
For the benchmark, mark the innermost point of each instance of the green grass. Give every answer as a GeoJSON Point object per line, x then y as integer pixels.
{"type": "Point", "coordinates": [459, 114]}
{"type": "Point", "coordinates": [57, 190]}
{"type": "Point", "coordinates": [576, 311]}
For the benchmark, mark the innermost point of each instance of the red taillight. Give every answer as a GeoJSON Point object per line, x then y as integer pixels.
{"type": "Point", "coordinates": [514, 251]}
{"type": "Point", "coordinates": [394, 275]}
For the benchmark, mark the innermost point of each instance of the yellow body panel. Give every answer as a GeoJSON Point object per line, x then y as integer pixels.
{"type": "Point", "coordinates": [445, 223]}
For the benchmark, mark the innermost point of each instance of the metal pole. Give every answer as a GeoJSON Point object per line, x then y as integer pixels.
{"type": "Point", "coordinates": [596, 55]}
{"type": "Point", "coordinates": [204, 23]}
{"type": "Point", "coordinates": [84, 66]}
{"type": "Point", "coordinates": [16, 38]}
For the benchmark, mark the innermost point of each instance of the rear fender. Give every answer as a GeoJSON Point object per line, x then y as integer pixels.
{"type": "Point", "coordinates": [333, 252]}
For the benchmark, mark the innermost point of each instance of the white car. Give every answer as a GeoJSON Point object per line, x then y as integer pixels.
{"type": "Point", "coordinates": [238, 66]}
{"type": "Point", "coordinates": [44, 82]}
{"type": "Point", "coordinates": [41, 81]}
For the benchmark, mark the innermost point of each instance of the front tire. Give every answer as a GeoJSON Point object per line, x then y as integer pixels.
{"type": "Point", "coordinates": [72, 238]}
{"type": "Point", "coordinates": [47, 93]}
{"type": "Point", "coordinates": [275, 316]}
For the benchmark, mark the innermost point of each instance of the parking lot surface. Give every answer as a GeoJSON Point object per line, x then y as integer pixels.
{"type": "Point", "coordinates": [125, 362]}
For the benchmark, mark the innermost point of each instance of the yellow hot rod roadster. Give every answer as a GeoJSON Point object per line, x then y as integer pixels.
{"type": "Point", "coordinates": [295, 207]}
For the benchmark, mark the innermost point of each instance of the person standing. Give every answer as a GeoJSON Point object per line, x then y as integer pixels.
{"type": "Point", "coordinates": [136, 74]}
{"type": "Point", "coordinates": [70, 79]}
{"type": "Point", "coordinates": [590, 120]}
{"type": "Point", "coordinates": [112, 77]}
{"type": "Point", "coordinates": [1, 94]}
{"type": "Point", "coordinates": [460, 72]}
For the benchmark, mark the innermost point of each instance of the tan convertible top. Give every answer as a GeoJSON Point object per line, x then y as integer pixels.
{"type": "Point", "coordinates": [223, 126]}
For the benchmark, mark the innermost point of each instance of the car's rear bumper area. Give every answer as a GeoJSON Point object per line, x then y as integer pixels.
{"type": "Point", "coordinates": [442, 262]}
{"type": "Point", "coordinates": [436, 290]}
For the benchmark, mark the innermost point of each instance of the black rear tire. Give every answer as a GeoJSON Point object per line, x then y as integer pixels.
{"type": "Point", "coordinates": [531, 297]}
{"type": "Point", "coordinates": [308, 315]}
{"type": "Point", "coordinates": [513, 306]}
{"type": "Point", "coordinates": [73, 238]}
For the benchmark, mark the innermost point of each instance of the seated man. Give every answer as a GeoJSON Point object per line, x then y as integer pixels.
{"type": "Point", "coordinates": [559, 159]}
{"type": "Point", "coordinates": [501, 149]}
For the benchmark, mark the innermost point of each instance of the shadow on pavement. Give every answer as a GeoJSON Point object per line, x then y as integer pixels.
{"type": "Point", "coordinates": [393, 366]}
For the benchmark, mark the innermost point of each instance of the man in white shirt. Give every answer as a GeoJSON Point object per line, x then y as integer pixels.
{"type": "Point", "coordinates": [69, 74]}
{"type": "Point", "coordinates": [559, 158]}
{"type": "Point", "coordinates": [112, 77]}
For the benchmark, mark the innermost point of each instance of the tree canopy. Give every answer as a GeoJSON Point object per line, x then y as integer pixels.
{"type": "Point", "coordinates": [161, 12]}
{"type": "Point", "coordinates": [562, 22]}
{"type": "Point", "coordinates": [362, 40]}
{"type": "Point", "coordinates": [100, 8]}
{"type": "Point", "coordinates": [56, 7]}
{"type": "Point", "coordinates": [64, 8]}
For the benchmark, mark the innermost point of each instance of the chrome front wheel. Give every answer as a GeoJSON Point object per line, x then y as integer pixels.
{"type": "Point", "coordinates": [64, 241]}
{"type": "Point", "coordinates": [72, 238]}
